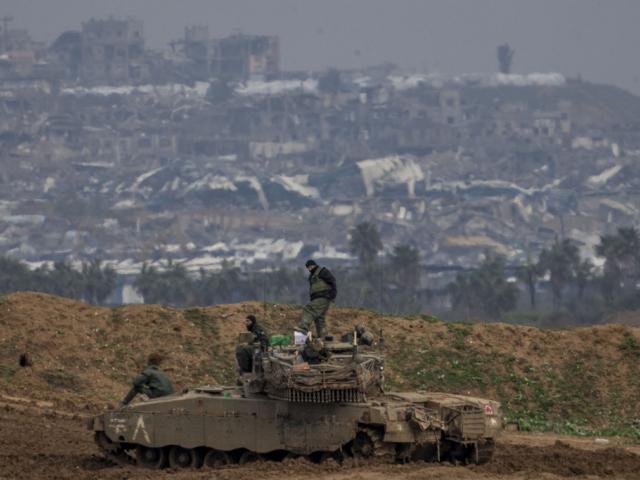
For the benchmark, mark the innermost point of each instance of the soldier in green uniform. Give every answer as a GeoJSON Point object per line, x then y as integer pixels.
{"type": "Point", "coordinates": [363, 336]}
{"type": "Point", "coordinates": [152, 382]}
{"type": "Point", "coordinates": [322, 291]}
{"type": "Point", "coordinates": [244, 353]}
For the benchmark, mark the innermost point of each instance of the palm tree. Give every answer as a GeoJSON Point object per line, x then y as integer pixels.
{"type": "Point", "coordinates": [561, 261]}
{"type": "Point", "coordinates": [405, 262]}
{"type": "Point", "coordinates": [584, 274]}
{"type": "Point", "coordinates": [66, 281]}
{"type": "Point", "coordinates": [98, 282]}
{"type": "Point", "coordinates": [146, 283]}
{"type": "Point", "coordinates": [365, 243]}
{"type": "Point", "coordinates": [485, 287]}
{"type": "Point", "coordinates": [14, 275]}
{"type": "Point", "coordinates": [622, 260]}
{"type": "Point", "coordinates": [405, 268]}
{"type": "Point", "coordinates": [460, 293]}
{"type": "Point", "coordinates": [528, 274]}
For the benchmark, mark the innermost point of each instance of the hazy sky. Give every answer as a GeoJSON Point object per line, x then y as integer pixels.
{"type": "Point", "coordinates": [597, 39]}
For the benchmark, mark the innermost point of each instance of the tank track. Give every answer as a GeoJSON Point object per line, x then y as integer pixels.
{"type": "Point", "coordinates": [368, 445]}
{"type": "Point", "coordinates": [113, 451]}
{"type": "Point", "coordinates": [485, 452]}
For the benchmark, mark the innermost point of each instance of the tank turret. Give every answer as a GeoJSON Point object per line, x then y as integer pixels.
{"type": "Point", "coordinates": [319, 372]}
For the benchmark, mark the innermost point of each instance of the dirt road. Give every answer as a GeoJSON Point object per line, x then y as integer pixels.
{"type": "Point", "coordinates": [38, 444]}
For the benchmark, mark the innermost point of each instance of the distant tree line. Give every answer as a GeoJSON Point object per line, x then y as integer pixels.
{"type": "Point", "coordinates": [390, 286]}
{"type": "Point", "coordinates": [93, 282]}
{"type": "Point", "coordinates": [393, 284]}
{"type": "Point", "coordinates": [576, 288]}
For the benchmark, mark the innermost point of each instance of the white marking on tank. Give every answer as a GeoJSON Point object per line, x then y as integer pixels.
{"type": "Point", "coordinates": [141, 426]}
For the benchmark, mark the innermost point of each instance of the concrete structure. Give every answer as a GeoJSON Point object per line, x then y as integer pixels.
{"type": "Point", "coordinates": [112, 52]}
{"type": "Point", "coordinates": [246, 56]}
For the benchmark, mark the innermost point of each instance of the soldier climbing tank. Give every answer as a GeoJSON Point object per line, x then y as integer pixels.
{"type": "Point", "coordinates": [319, 401]}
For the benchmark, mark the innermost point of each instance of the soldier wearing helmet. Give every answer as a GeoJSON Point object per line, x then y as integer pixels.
{"type": "Point", "coordinates": [152, 382]}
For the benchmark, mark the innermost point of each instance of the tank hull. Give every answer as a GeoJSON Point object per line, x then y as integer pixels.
{"type": "Point", "coordinates": [227, 420]}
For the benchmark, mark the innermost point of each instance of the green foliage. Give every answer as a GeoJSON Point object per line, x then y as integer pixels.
{"type": "Point", "coordinates": [558, 397]}
{"type": "Point", "coordinates": [117, 316]}
{"type": "Point", "coordinates": [97, 281]}
{"type": "Point", "coordinates": [460, 332]}
{"type": "Point", "coordinates": [528, 274]}
{"type": "Point", "coordinates": [170, 287]}
{"type": "Point", "coordinates": [485, 290]}
{"type": "Point", "coordinates": [429, 318]}
{"type": "Point", "coordinates": [622, 264]}
{"type": "Point", "coordinates": [561, 261]}
{"type": "Point", "coordinates": [14, 276]}
{"type": "Point", "coordinates": [404, 263]}
{"type": "Point", "coordinates": [365, 243]}
{"type": "Point", "coordinates": [630, 344]}
{"type": "Point", "coordinates": [93, 283]}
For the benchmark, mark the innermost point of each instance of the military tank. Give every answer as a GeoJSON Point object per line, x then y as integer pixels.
{"type": "Point", "coordinates": [332, 406]}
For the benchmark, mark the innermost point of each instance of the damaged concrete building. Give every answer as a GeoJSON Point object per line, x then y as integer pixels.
{"type": "Point", "coordinates": [282, 166]}
{"type": "Point", "coordinates": [238, 57]}
{"type": "Point", "coordinates": [112, 52]}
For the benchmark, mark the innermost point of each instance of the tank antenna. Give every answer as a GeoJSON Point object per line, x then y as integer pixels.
{"type": "Point", "coordinates": [381, 277]}
{"type": "Point", "coordinates": [355, 345]}
{"type": "Point", "coordinates": [264, 295]}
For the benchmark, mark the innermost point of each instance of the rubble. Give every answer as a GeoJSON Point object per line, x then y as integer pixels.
{"type": "Point", "coordinates": [122, 156]}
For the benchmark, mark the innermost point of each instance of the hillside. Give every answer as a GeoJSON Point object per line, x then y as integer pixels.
{"type": "Point", "coordinates": [572, 381]}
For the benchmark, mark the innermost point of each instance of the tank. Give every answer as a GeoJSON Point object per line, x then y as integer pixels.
{"type": "Point", "coordinates": [334, 405]}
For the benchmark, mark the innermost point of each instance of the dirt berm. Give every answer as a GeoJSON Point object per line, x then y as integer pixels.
{"type": "Point", "coordinates": [83, 356]}
{"type": "Point", "coordinates": [62, 360]}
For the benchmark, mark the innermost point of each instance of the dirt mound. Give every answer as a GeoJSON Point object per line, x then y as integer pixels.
{"type": "Point", "coordinates": [82, 357]}
{"type": "Point", "coordinates": [563, 460]}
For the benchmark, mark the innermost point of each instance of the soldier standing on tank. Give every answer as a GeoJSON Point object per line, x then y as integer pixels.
{"type": "Point", "coordinates": [244, 353]}
{"type": "Point", "coordinates": [152, 382]}
{"type": "Point", "coordinates": [322, 291]}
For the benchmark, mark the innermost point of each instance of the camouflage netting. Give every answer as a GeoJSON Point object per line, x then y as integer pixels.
{"type": "Point", "coordinates": [361, 377]}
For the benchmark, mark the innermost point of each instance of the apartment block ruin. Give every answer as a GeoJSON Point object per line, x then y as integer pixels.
{"type": "Point", "coordinates": [112, 52]}
{"type": "Point", "coordinates": [238, 56]}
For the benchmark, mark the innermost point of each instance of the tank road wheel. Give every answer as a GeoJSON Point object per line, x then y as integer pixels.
{"type": "Point", "coordinates": [150, 457]}
{"type": "Point", "coordinates": [180, 457]}
{"type": "Point", "coordinates": [217, 459]}
{"type": "Point", "coordinates": [248, 457]}
{"type": "Point", "coordinates": [362, 446]}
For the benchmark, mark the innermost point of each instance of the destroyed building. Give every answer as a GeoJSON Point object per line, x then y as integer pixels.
{"type": "Point", "coordinates": [279, 169]}
{"type": "Point", "coordinates": [112, 52]}
{"type": "Point", "coordinates": [239, 56]}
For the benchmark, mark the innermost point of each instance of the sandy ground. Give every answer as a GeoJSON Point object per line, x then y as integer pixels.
{"type": "Point", "coordinates": [37, 443]}
{"type": "Point", "coordinates": [81, 358]}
